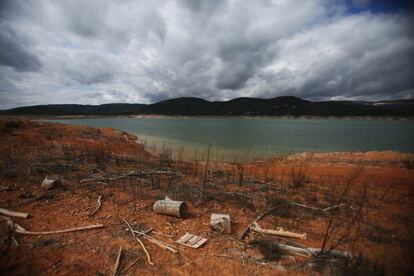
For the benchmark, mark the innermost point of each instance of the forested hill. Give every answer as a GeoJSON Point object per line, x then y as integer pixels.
{"type": "Point", "coordinates": [188, 106]}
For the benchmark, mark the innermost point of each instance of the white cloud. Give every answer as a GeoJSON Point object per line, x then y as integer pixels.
{"type": "Point", "coordinates": [142, 51]}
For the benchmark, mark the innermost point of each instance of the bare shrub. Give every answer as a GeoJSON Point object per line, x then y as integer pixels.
{"type": "Point", "coordinates": [7, 127]}
{"type": "Point", "coordinates": [339, 229]}
{"type": "Point", "coordinates": [11, 164]}
{"type": "Point", "coordinates": [241, 170]}
{"type": "Point", "coordinates": [165, 156]}
{"type": "Point", "coordinates": [5, 236]}
{"type": "Point", "coordinates": [298, 177]}
{"type": "Point", "coordinates": [100, 154]}
{"type": "Point", "coordinates": [358, 265]}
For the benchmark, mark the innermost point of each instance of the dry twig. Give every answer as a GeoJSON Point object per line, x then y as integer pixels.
{"type": "Point", "coordinates": [259, 217]}
{"type": "Point", "coordinates": [139, 241]}
{"type": "Point", "coordinates": [98, 207]}
{"type": "Point", "coordinates": [116, 266]}
{"type": "Point", "coordinates": [159, 243]}
{"type": "Point", "coordinates": [13, 213]}
{"type": "Point", "coordinates": [130, 265]}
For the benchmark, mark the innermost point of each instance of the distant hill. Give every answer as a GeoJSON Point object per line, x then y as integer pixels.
{"type": "Point", "coordinates": [188, 106]}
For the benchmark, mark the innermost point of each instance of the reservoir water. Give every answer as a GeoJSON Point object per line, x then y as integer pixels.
{"type": "Point", "coordinates": [264, 136]}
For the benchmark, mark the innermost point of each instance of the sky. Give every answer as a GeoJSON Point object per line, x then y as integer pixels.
{"type": "Point", "coordinates": [106, 51]}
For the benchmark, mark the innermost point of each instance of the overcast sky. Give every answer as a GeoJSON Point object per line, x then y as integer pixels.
{"type": "Point", "coordinates": [102, 51]}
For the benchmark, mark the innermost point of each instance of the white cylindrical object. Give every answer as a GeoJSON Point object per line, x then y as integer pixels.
{"type": "Point", "coordinates": [170, 207]}
{"type": "Point", "coordinates": [220, 223]}
{"type": "Point", "coordinates": [50, 182]}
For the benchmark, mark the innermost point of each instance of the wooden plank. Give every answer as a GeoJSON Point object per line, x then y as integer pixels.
{"type": "Point", "coordinates": [191, 240]}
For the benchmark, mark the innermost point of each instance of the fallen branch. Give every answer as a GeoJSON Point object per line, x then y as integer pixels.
{"type": "Point", "coordinates": [13, 213]}
{"type": "Point", "coordinates": [116, 266]}
{"type": "Point", "coordinates": [162, 244]}
{"type": "Point", "coordinates": [139, 241]}
{"type": "Point", "coordinates": [159, 243]}
{"type": "Point", "coordinates": [305, 206]}
{"type": "Point", "coordinates": [297, 244]}
{"type": "Point", "coordinates": [259, 217]}
{"type": "Point", "coordinates": [262, 262]}
{"type": "Point", "coordinates": [19, 229]}
{"type": "Point", "coordinates": [145, 250]}
{"type": "Point", "coordinates": [128, 175]}
{"type": "Point", "coordinates": [152, 232]}
{"type": "Point", "coordinates": [251, 259]}
{"type": "Point", "coordinates": [327, 209]}
{"type": "Point", "coordinates": [316, 252]}
{"type": "Point", "coordinates": [279, 232]}
{"type": "Point", "coordinates": [185, 257]}
{"type": "Point", "coordinates": [139, 233]}
{"type": "Point", "coordinates": [98, 207]}
{"type": "Point", "coordinates": [47, 195]}
{"type": "Point", "coordinates": [162, 234]}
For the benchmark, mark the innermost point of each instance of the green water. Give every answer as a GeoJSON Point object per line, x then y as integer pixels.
{"type": "Point", "coordinates": [265, 136]}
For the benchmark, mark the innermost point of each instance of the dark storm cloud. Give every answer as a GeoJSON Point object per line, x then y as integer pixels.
{"type": "Point", "coordinates": [14, 52]}
{"type": "Point", "coordinates": [143, 51]}
{"type": "Point", "coordinates": [203, 6]}
{"type": "Point", "coordinates": [373, 63]}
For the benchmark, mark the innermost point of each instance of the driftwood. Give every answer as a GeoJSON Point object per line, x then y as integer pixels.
{"type": "Point", "coordinates": [259, 217]}
{"type": "Point", "coordinates": [279, 232]}
{"type": "Point", "coordinates": [139, 241]}
{"type": "Point", "coordinates": [131, 174]}
{"type": "Point", "coordinates": [19, 229]}
{"type": "Point", "coordinates": [157, 242]}
{"type": "Point", "coordinates": [310, 251]}
{"type": "Point", "coordinates": [13, 213]}
{"type": "Point", "coordinates": [118, 259]}
{"type": "Point", "coordinates": [327, 209]}
{"type": "Point", "coordinates": [171, 207]}
{"type": "Point", "coordinates": [50, 194]}
{"type": "Point", "coordinates": [246, 258]}
{"type": "Point", "coordinates": [98, 207]}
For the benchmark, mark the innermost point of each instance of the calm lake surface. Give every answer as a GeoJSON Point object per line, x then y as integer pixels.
{"type": "Point", "coordinates": [264, 136]}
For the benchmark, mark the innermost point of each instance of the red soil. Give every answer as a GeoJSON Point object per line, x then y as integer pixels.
{"type": "Point", "coordinates": [382, 234]}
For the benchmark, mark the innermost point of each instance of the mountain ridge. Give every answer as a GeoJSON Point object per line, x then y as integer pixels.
{"type": "Point", "coordinates": [243, 106]}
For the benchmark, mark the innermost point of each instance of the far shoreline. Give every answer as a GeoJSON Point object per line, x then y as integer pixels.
{"type": "Point", "coordinates": [247, 117]}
